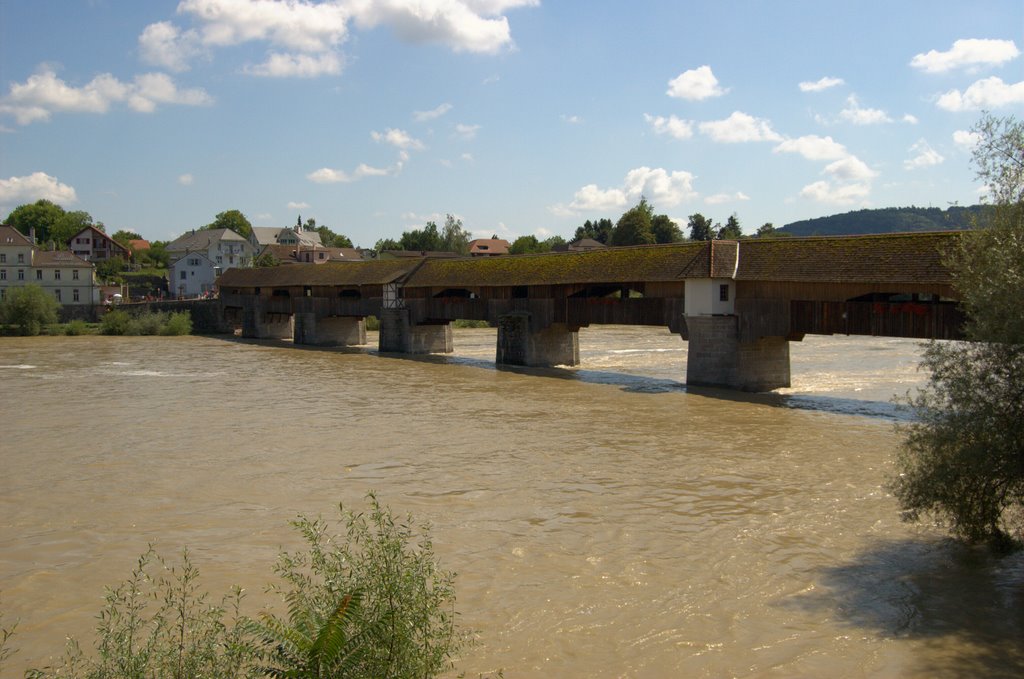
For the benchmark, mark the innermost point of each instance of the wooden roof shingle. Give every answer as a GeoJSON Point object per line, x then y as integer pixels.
{"type": "Point", "coordinates": [374, 272]}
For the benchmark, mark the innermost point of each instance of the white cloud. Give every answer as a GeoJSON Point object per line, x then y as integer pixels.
{"type": "Point", "coordinates": [461, 25]}
{"type": "Point", "coordinates": [720, 198]}
{"type": "Point", "coordinates": [844, 194]}
{"type": "Point", "coordinates": [292, 205]}
{"type": "Point", "coordinates": [966, 140]}
{"type": "Point", "coordinates": [400, 139]}
{"type": "Point", "coordinates": [925, 156]}
{"type": "Point", "coordinates": [820, 85]}
{"type": "Point", "coordinates": [910, 119]}
{"type": "Point", "coordinates": [36, 186]}
{"type": "Point", "coordinates": [813, 147]}
{"type": "Point", "coordinates": [164, 44]}
{"type": "Point", "coordinates": [433, 114]}
{"type": "Point", "coordinates": [296, 24]}
{"type": "Point", "coordinates": [572, 120]}
{"type": "Point", "coordinates": [280, 65]}
{"type": "Point", "coordinates": [466, 132]}
{"type": "Point", "coordinates": [984, 94]}
{"type": "Point", "coordinates": [967, 54]}
{"type": "Point", "coordinates": [850, 168]}
{"type": "Point", "coordinates": [186, 179]}
{"type": "Point", "coordinates": [853, 113]}
{"type": "Point", "coordinates": [740, 127]}
{"type": "Point", "coordinates": [151, 89]}
{"type": "Point", "coordinates": [696, 84]}
{"type": "Point", "coordinates": [661, 187]}
{"type": "Point", "coordinates": [326, 175]}
{"type": "Point", "coordinates": [44, 94]}
{"type": "Point", "coordinates": [672, 126]}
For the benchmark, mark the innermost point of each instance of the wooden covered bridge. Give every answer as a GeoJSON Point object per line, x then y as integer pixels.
{"type": "Point", "coordinates": [737, 303]}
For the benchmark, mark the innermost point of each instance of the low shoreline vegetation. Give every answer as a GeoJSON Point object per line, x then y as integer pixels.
{"type": "Point", "coordinates": [371, 602]}
{"type": "Point", "coordinates": [117, 322]}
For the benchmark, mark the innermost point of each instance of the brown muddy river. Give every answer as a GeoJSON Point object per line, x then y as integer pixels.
{"type": "Point", "coordinates": [604, 521]}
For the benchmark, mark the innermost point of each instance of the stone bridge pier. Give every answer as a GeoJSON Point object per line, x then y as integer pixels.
{"type": "Point", "coordinates": [398, 334]}
{"type": "Point", "coordinates": [338, 331]}
{"type": "Point", "coordinates": [520, 343]}
{"type": "Point", "coordinates": [717, 357]}
{"type": "Point", "coordinates": [260, 324]}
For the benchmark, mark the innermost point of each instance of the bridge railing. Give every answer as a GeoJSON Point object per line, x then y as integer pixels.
{"type": "Point", "coordinates": [924, 320]}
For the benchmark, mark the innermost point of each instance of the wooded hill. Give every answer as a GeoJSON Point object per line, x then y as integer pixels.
{"type": "Point", "coordinates": [889, 220]}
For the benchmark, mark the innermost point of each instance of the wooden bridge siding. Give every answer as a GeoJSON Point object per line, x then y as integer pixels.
{"type": "Point", "coordinates": [833, 292]}
{"type": "Point", "coordinates": [942, 320]}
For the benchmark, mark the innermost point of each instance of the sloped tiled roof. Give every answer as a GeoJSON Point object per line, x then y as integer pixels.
{"type": "Point", "coordinates": [489, 246]}
{"type": "Point", "coordinates": [886, 258]}
{"type": "Point", "coordinates": [375, 272]}
{"type": "Point", "coordinates": [58, 258]}
{"type": "Point", "coordinates": [608, 265]}
{"type": "Point", "coordinates": [201, 239]}
{"type": "Point", "coordinates": [11, 236]}
{"type": "Point", "coordinates": [266, 235]}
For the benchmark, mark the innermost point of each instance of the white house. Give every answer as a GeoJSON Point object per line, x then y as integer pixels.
{"type": "Point", "coordinates": [199, 257]}
{"type": "Point", "coordinates": [65, 275]}
{"type": "Point", "coordinates": [92, 244]}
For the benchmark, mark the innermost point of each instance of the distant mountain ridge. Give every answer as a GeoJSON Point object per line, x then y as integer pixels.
{"type": "Point", "coordinates": [889, 220]}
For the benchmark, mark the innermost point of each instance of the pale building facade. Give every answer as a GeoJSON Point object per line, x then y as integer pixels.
{"type": "Point", "coordinates": [69, 278]}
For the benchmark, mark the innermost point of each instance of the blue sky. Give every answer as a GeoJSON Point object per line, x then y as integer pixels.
{"type": "Point", "coordinates": [518, 116]}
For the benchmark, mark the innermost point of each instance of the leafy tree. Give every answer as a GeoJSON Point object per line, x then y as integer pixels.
{"type": "Point", "coordinates": [524, 245]}
{"type": "Point", "coordinates": [551, 242]}
{"type": "Point", "coordinates": [386, 244]}
{"type": "Point", "coordinates": [731, 230]}
{"type": "Point", "coordinates": [634, 226]}
{"type": "Point", "coordinates": [962, 459]}
{"type": "Point", "coordinates": [331, 239]}
{"type": "Point", "coordinates": [700, 227]}
{"type": "Point", "coordinates": [665, 230]}
{"type": "Point", "coordinates": [52, 224]}
{"type": "Point", "coordinates": [29, 308]}
{"type": "Point", "coordinates": [601, 230]}
{"type": "Point", "coordinates": [123, 237]}
{"type": "Point", "coordinates": [234, 220]}
{"type": "Point", "coordinates": [110, 269]}
{"type": "Point", "coordinates": [766, 230]}
{"type": "Point", "coordinates": [265, 259]}
{"type": "Point", "coordinates": [156, 255]}
{"type": "Point", "coordinates": [426, 239]}
{"type": "Point", "coordinates": [454, 238]}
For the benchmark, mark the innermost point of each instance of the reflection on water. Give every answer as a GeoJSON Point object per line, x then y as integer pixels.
{"type": "Point", "coordinates": [604, 520]}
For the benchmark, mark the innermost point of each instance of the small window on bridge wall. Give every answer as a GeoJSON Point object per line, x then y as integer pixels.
{"type": "Point", "coordinates": [307, 291]}
{"type": "Point", "coordinates": [349, 294]}
{"type": "Point", "coordinates": [520, 292]}
{"type": "Point", "coordinates": [281, 293]}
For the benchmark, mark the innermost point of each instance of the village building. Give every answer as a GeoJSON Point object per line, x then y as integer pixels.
{"type": "Point", "coordinates": [95, 246]}
{"type": "Point", "coordinates": [200, 256]}
{"type": "Point", "coordinates": [68, 277]}
{"type": "Point", "coordinates": [488, 247]}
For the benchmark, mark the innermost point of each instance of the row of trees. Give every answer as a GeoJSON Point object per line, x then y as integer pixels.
{"type": "Point", "coordinates": [452, 237]}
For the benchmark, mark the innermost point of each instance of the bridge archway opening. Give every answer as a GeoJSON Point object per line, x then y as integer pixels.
{"type": "Point", "coordinates": [350, 294]}
{"type": "Point", "coordinates": [280, 293]}
{"type": "Point", "coordinates": [607, 292]}
{"type": "Point", "coordinates": [455, 293]}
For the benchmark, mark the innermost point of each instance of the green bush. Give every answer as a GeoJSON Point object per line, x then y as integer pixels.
{"type": "Point", "coordinates": [76, 327]}
{"type": "Point", "coordinates": [371, 603]}
{"type": "Point", "coordinates": [179, 323]}
{"type": "Point", "coordinates": [151, 323]}
{"type": "Point", "coordinates": [29, 309]}
{"type": "Point", "coordinates": [117, 322]}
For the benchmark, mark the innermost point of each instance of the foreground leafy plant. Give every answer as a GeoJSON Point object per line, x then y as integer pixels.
{"type": "Point", "coordinates": [370, 603]}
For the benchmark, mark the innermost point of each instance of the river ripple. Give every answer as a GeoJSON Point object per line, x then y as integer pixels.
{"type": "Point", "coordinates": [604, 521]}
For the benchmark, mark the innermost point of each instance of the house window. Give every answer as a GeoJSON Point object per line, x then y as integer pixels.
{"type": "Point", "coordinates": [320, 255]}
{"type": "Point", "coordinates": [56, 293]}
{"type": "Point", "coordinates": [56, 274]}
{"type": "Point", "coordinates": [39, 274]}
{"type": "Point", "coordinates": [74, 274]}
{"type": "Point", "coordinates": [3, 257]}
{"type": "Point", "coordinates": [21, 274]}
{"type": "Point", "coordinates": [3, 293]}
{"type": "Point", "coordinates": [74, 294]}
{"type": "Point", "coordinates": [21, 258]}
{"type": "Point", "coordinates": [3, 274]}
{"type": "Point", "coordinates": [723, 293]}
{"type": "Point", "coordinates": [184, 275]}
{"type": "Point", "coordinates": [231, 259]}
{"type": "Point", "coordinates": [220, 260]}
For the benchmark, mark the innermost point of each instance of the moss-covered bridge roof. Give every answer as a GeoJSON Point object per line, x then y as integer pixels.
{"type": "Point", "coordinates": [889, 258]}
